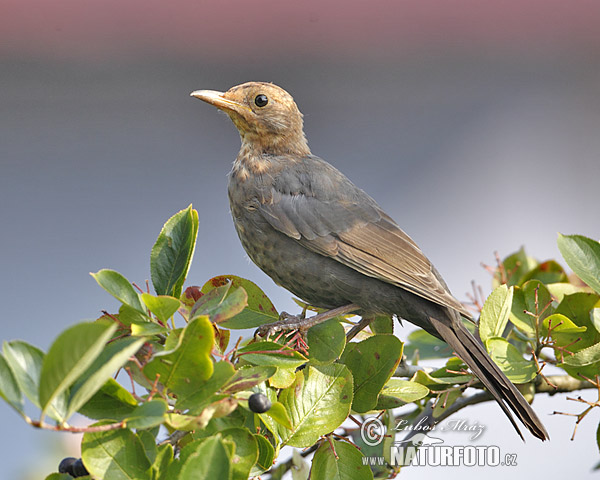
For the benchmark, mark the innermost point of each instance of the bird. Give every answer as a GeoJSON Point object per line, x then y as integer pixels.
{"type": "Point", "coordinates": [316, 234]}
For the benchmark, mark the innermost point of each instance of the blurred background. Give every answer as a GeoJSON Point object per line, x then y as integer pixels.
{"type": "Point", "coordinates": [476, 125]}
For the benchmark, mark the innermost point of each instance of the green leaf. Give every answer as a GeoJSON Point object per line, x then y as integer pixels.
{"type": "Point", "coordinates": [510, 360]}
{"type": "Point", "coordinates": [346, 463]}
{"type": "Point", "coordinates": [404, 390]}
{"type": "Point", "coordinates": [317, 403]}
{"type": "Point", "coordinates": [247, 377]}
{"type": "Point", "coordinates": [516, 267]}
{"type": "Point", "coordinates": [25, 361]}
{"type": "Point", "coordinates": [173, 251]}
{"type": "Point", "coordinates": [148, 414]}
{"type": "Point", "coordinates": [283, 377]}
{"type": "Point", "coordinates": [582, 254]}
{"type": "Point", "coordinates": [162, 306]}
{"type": "Point", "coordinates": [113, 357]}
{"type": "Point", "coordinates": [190, 360]}
{"type": "Point", "coordinates": [149, 443]}
{"type": "Point", "coordinates": [147, 329]}
{"type": "Point", "coordinates": [278, 413]}
{"type": "Point", "coordinates": [586, 356]}
{"type": "Point", "coordinates": [426, 346]}
{"type": "Point", "coordinates": [266, 455]}
{"type": "Point", "coordinates": [495, 312]}
{"type": "Point", "coordinates": [59, 476]}
{"type": "Point", "coordinates": [533, 297]}
{"type": "Point", "coordinates": [578, 307]}
{"type": "Point", "coordinates": [164, 458]}
{"type": "Point", "coordinates": [221, 304]}
{"type": "Point", "coordinates": [9, 388]}
{"type": "Point", "coordinates": [271, 353]}
{"type": "Point", "coordinates": [260, 309]}
{"type": "Point", "coordinates": [200, 392]}
{"type": "Point", "coordinates": [546, 272]}
{"type": "Point", "coordinates": [562, 330]}
{"type": "Point", "coordinates": [382, 324]}
{"type": "Point", "coordinates": [444, 401]}
{"type": "Point", "coordinates": [210, 461]}
{"type": "Point", "coordinates": [115, 455]}
{"type": "Point", "coordinates": [119, 287]}
{"type": "Point", "coordinates": [111, 402]}
{"type": "Point", "coordinates": [69, 356]}
{"type": "Point", "coordinates": [245, 454]}
{"type": "Point", "coordinates": [372, 362]}
{"type": "Point", "coordinates": [326, 342]}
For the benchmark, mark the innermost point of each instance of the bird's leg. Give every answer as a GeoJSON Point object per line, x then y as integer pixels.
{"type": "Point", "coordinates": [291, 322]}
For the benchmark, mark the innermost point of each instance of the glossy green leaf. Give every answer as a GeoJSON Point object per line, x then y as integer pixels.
{"type": "Point", "coordinates": [119, 287]}
{"type": "Point", "coordinates": [69, 356]}
{"type": "Point", "coordinates": [245, 454]}
{"type": "Point", "coordinates": [247, 377]}
{"type": "Point", "coordinates": [317, 403]}
{"type": "Point", "coordinates": [582, 254]}
{"type": "Point", "coordinates": [163, 306]}
{"type": "Point", "coordinates": [346, 463]}
{"type": "Point", "coordinates": [115, 455]}
{"type": "Point", "coordinates": [200, 392]}
{"type": "Point", "coordinates": [372, 363]}
{"type": "Point", "coordinates": [25, 362]}
{"type": "Point", "coordinates": [190, 359]}
{"type": "Point", "coordinates": [326, 342]}
{"type": "Point", "coordinates": [510, 360]}
{"type": "Point", "coordinates": [546, 272]}
{"type": "Point", "coordinates": [405, 390]}
{"type": "Point", "coordinates": [9, 388]}
{"type": "Point", "coordinates": [173, 251]}
{"type": "Point", "coordinates": [425, 346]}
{"type": "Point", "coordinates": [577, 308]}
{"type": "Point", "coordinates": [444, 401]}
{"type": "Point", "coordinates": [221, 304]}
{"type": "Point", "coordinates": [260, 309]}
{"type": "Point", "coordinates": [164, 458]}
{"type": "Point", "coordinates": [516, 267]}
{"type": "Point", "coordinates": [562, 330]}
{"type": "Point", "coordinates": [283, 377]}
{"type": "Point", "coordinates": [531, 300]}
{"type": "Point", "coordinates": [266, 455]}
{"type": "Point", "coordinates": [111, 402]}
{"type": "Point", "coordinates": [271, 354]}
{"type": "Point", "coordinates": [149, 443]}
{"type": "Point", "coordinates": [586, 356]}
{"type": "Point", "coordinates": [148, 414]}
{"type": "Point", "coordinates": [382, 324]}
{"type": "Point", "coordinates": [210, 461]}
{"type": "Point", "coordinates": [278, 413]}
{"type": "Point", "coordinates": [113, 357]}
{"type": "Point", "coordinates": [495, 313]}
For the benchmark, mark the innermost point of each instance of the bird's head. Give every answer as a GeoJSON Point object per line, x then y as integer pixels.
{"type": "Point", "coordinates": [266, 116]}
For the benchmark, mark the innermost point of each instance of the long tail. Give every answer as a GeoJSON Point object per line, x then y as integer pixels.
{"type": "Point", "coordinates": [474, 355]}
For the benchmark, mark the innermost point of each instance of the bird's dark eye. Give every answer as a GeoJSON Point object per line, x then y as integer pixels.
{"type": "Point", "coordinates": [261, 100]}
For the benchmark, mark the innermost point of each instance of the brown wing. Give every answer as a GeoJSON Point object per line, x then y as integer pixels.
{"type": "Point", "coordinates": [354, 230]}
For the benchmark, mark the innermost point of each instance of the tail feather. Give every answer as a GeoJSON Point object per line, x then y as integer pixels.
{"type": "Point", "coordinates": [501, 388]}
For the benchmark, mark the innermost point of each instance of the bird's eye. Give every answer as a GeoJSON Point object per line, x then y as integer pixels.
{"type": "Point", "coordinates": [261, 100]}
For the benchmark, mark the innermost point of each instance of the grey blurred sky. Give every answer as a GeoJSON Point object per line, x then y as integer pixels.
{"type": "Point", "coordinates": [475, 125]}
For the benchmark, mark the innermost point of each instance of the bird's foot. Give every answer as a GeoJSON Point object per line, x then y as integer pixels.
{"type": "Point", "coordinates": [300, 323]}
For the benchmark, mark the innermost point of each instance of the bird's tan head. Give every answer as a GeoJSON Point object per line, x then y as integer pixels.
{"type": "Point", "coordinates": [266, 116]}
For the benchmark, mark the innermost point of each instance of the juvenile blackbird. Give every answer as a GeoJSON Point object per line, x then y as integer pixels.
{"type": "Point", "coordinates": [319, 236]}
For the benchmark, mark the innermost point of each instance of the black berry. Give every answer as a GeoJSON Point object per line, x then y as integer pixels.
{"type": "Point", "coordinates": [259, 403]}
{"type": "Point", "coordinates": [66, 465]}
{"type": "Point", "coordinates": [78, 469]}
